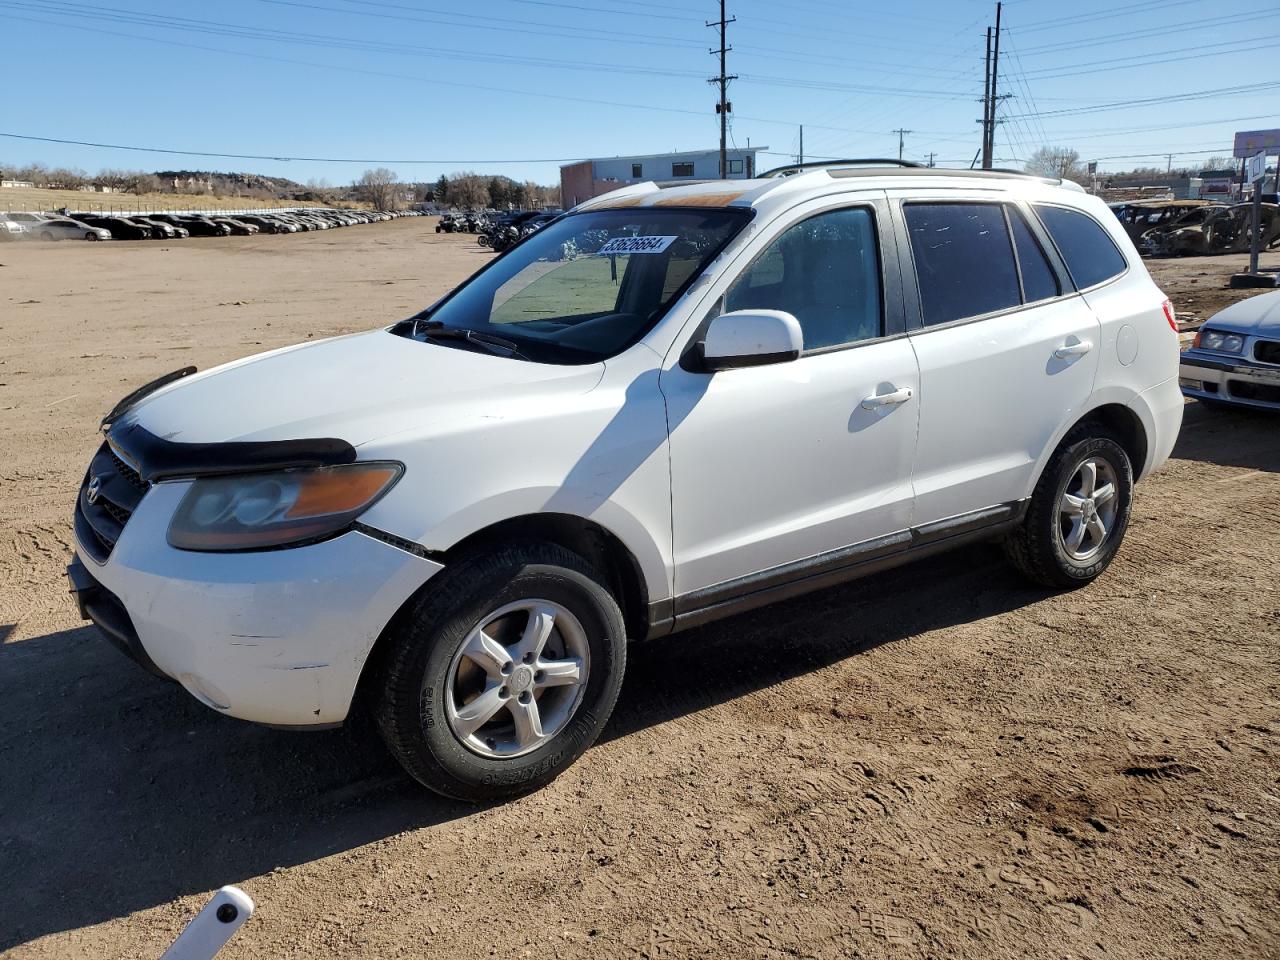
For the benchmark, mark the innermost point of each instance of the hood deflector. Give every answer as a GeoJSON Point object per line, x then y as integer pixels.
{"type": "Point", "coordinates": [156, 458]}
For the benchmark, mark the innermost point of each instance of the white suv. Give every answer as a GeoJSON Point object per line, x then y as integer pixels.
{"type": "Point", "coordinates": [674, 403]}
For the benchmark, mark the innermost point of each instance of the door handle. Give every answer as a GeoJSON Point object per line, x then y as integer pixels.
{"type": "Point", "coordinates": [1077, 349]}
{"type": "Point", "coordinates": [879, 400]}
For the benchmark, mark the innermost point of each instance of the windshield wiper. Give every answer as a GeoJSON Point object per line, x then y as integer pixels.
{"type": "Point", "coordinates": [435, 330]}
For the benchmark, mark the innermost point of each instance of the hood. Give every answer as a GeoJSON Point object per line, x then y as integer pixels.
{"type": "Point", "coordinates": [355, 388]}
{"type": "Point", "coordinates": [1257, 316]}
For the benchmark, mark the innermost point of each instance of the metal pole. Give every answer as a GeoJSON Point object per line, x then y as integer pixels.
{"type": "Point", "coordinates": [801, 160]}
{"type": "Point", "coordinates": [986, 108]}
{"type": "Point", "coordinates": [1255, 242]}
{"type": "Point", "coordinates": [995, 98]}
{"type": "Point", "coordinates": [723, 80]}
{"type": "Point", "coordinates": [901, 134]}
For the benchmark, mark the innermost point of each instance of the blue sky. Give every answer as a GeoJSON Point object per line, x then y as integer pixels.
{"type": "Point", "coordinates": [533, 82]}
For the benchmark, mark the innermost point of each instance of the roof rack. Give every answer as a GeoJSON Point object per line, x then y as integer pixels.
{"type": "Point", "coordinates": [794, 168]}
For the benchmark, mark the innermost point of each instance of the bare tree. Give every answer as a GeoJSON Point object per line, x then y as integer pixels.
{"type": "Point", "coordinates": [144, 183]}
{"type": "Point", "coordinates": [468, 190]}
{"type": "Point", "coordinates": [380, 187]}
{"type": "Point", "coordinates": [1062, 162]}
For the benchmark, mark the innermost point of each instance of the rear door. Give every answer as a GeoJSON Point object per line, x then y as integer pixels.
{"type": "Point", "coordinates": [1008, 351]}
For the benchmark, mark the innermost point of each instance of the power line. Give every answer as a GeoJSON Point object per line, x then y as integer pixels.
{"type": "Point", "coordinates": [267, 156]}
{"type": "Point", "coordinates": [1106, 12]}
{"type": "Point", "coordinates": [240, 31]}
{"type": "Point", "coordinates": [1128, 36]}
{"type": "Point", "coordinates": [1171, 98]}
{"type": "Point", "coordinates": [1152, 59]}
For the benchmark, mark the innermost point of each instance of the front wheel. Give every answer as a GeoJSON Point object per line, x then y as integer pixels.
{"type": "Point", "coordinates": [503, 673]}
{"type": "Point", "coordinates": [1078, 513]}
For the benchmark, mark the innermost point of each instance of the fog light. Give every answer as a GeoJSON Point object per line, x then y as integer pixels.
{"type": "Point", "coordinates": [1190, 384]}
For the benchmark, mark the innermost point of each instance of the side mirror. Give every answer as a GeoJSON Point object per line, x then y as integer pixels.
{"type": "Point", "coordinates": [751, 338]}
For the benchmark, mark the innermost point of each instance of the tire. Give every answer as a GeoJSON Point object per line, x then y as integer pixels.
{"type": "Point", "coordinates": [46, 235]}
{"type": "Point", "coordinates": [426, 679]}
{"type": "Point", "coordinates": [91, 236]}
{"type": "Point", "coordinates": [1041, 547]}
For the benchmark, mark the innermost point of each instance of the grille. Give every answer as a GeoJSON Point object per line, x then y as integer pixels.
{"type": "Point", "coordinates": [120, 489]}
{"type": "Point", "coordinates": [1267, 351]}
{"type": "Point", "coordinates": [1263, 392]}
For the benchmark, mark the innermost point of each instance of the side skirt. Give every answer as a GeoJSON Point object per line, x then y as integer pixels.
{"type": "Point", "coordinates": [828, 569]}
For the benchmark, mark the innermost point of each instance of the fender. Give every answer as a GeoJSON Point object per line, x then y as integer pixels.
{"type": "Point", "coordinates": [1104, 397]}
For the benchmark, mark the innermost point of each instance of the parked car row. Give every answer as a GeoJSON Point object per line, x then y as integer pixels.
{"type": "Point", "coordinates": [1172, 228]}
{"type": "Point", "coordinates": [174, 226]}
{"type": "Point", "coordinates": [487, 222]}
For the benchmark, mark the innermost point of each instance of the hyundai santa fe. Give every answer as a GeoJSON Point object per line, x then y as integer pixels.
{"type": "Point", "coordinates": [672, 404]}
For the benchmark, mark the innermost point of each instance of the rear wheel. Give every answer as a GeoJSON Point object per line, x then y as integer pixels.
{"type": "Point", "coordinates": [1078, 513]}
{"type": "Point", "coordinates": [46, 235]}
{"type": "Point", "coordinates": [503, 673]}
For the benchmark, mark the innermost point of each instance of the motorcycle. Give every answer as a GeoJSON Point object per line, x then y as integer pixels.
{"type": "Point", "coordinates": [503, 238]}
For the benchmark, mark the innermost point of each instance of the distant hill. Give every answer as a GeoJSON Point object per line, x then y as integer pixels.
{"type": "Point", "coordinates": [247, 181]}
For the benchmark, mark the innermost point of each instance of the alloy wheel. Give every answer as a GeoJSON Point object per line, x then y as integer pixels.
{"type": "Point", "coordinates": [1087, 509]}
{"type": "Point", "coordinates": [517, 679]}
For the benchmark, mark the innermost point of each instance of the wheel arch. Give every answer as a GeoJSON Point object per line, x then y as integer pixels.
{"type": "Point", "coordinates": [1128, 428]}
{"type": "Point", "coordinates": [1119, 418]}
{"type": "Point", "coordinates": [599, 546]}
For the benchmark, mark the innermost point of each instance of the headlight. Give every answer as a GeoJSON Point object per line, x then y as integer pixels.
{"type": "Point", "coordinates": [256, 511]}
{"type": "Point", "coordinates": [1219, 342]}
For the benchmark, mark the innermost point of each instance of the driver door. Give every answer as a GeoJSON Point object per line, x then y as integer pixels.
{"type": "Point", "coordinates": [787, 471]}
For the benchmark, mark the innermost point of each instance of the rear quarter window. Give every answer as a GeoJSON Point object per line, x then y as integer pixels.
{"type": "Point", "coordinates": [1092, 257]}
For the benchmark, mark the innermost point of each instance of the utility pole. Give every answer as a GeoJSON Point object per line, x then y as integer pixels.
{"type": "Point", "coordinates": [1169, 168]}
{"type": "Point", "coordinates": [724, 106]}
{"type": "Point", "coordinates": [901, 134]}
{"type": "Point", "coordinates": [995, 96]}
{"type": "Point", "coordinates": [800, 162]}
{"type": "Point", "coordinates": [931, 156]}
{"type": "Point", "coordinates": [986, 108]}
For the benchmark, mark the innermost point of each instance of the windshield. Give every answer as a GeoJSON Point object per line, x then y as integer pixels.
{"type": "Point", "coordinates": [585, 287]}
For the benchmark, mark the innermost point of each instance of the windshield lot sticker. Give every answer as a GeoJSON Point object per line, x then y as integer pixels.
{"type": "Point", "coordinates": [620, 245]}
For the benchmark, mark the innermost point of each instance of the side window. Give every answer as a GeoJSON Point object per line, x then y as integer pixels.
{"type": "Point", "coordinates": [1038, 279]}
{"type": "Point", "coordinates": [826, 272]}
{"type": "Point", "coordinates": [637, 171]}
{"type": "Point", "coordinates": [1090, 253]}
{"type": "Point", "coordinates": [964, 260]}
{"type": "Point", "coordinates": [682, 169]}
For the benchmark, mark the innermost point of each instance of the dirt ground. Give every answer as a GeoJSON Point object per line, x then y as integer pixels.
{"type": "Point", "coordinates": [940, 762]}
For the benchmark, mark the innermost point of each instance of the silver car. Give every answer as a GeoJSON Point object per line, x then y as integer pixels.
{"type": "Point", "coordinates": [63, 228]}
{"type": "Point", "coordinates": [10, 229]}
{"type": "Point", "coordinates": [1235, 358]}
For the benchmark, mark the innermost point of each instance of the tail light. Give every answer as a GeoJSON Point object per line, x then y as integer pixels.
{"type": "Point", "coordinates": [1170, 315]}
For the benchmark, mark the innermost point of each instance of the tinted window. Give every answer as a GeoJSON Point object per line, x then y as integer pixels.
{"type": "Point", "coordinates": [826, 272]}
{"type": "Point", "coordinates": [964, 260]}
{"type": "Point", "coordinates": [1038, 280]}
{"type": "Point", "coordinates": [1090, 253]}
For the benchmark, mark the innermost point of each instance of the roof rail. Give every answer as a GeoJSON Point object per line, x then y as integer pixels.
{"type": "Point", "coordinates": [794, 168]}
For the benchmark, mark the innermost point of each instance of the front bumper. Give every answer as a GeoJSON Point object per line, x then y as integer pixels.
{"type": "Point", "coordinates": [1238, 381]}
{"type": "Point", "coordinates": [277, 636]}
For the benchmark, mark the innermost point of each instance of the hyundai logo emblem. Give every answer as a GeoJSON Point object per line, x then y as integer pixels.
{"type": "Point", "coordinates": [95, 488]}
